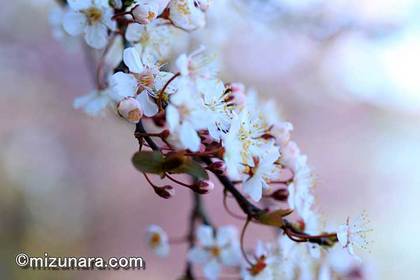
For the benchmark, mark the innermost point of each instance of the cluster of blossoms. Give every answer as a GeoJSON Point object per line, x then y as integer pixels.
{"type": "Point", "coordinates": [189, 122]}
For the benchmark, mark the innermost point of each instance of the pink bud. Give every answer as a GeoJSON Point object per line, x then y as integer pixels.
{"type": "Point", "coordinates": [203, 186]}
{"type": "Point", "coordinates": [206, 138]}
{"type": "Point", "coordinates": [218, 167]}
{"type": "Point", "coordinates": [129, 108]}
{"type": "Point", "coordinates": [237, 95]}
{"type": "Point", "coordinates": [144, 13]}
{"type": "Point", "coordinates": [237, 87]}
{"type": "Point", "coordinates": [280, 195]}
{"type": "Point", "coordinates": [202, 148]}
{"type": "Point", "coordinates": [165, 191]}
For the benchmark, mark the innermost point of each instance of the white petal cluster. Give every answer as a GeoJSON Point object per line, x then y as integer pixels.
{"type": "Point", "coordinates": [215, 249]}
{"type": "Point", "coordinates": [93, 103]}
{"type": "Point", "coordinates": [354, 234]}
{"type": "Point", "coordinates": [187, 14]}
{"type": "Point", "coordinates": [93, 18]}
{"type": "Point", "coordinates": [156, 38]}
{"type": "Point", "coordinates": [157, 240]}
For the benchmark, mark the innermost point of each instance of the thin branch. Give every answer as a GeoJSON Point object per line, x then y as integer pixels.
{"type": "Point", "coordinates": [242, 241]}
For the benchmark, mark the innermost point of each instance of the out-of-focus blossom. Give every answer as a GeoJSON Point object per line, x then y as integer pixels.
{"type": "Point", "coordinates": [353, 233]}
{"type": "Point", "coordinates": [93, 103]}
{"type": "Point", "coordinates": [186, 15]}
{"type": "Point", "coordinates": [215, 249]}
{"type": "Point", "coordinates": [156, 39]}
{"type": "Point", "coordinates": [91, 17]}
{"type": "Point", "coordinates": [198, 65]}
{"type": "Point", "coordinates": [157, 240]}
{"type": "Point", "coordinates": [145, 11]}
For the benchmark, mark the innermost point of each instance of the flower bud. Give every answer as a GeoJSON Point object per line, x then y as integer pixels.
{"type": "Point", "coordinates": [129, 108]}
{"type": "Point", "coordinates": [144, 13]}
{"type": "Point", "coordinates": [205, 137]}
{"type": "Point", "coordinates": [237, 94]}
{"type": "Point", "coordinates": [159, 119]}
{"type": "Point", "coordinates": [203, 186]}
{"type": "Point", "coordinates": [116, 4]}
{"type": "Point", "coordinates": [280, 195]}
{"type": "Point", "coordinates": [202, 148]}
{"type": "Point", "coordinates": [203, 4]}
{"type": "Point", "coordinates": [218, 167]}
{"type": "Point", "coordinates": [165, 191]}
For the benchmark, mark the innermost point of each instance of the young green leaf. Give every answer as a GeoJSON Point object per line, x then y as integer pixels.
{"type": "Point", "coordinates": [149, 162]}
{"type": "Point", "coordinates": [274, 218]}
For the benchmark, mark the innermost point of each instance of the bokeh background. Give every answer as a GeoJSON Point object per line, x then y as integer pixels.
{"type": "Point", "coordinates": [345, 73]}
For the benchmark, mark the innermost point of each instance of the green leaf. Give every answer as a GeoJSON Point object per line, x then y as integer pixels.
{"type": "Point", "coordinates": [149, 162]}
{"type": "Point", "coordinates": [192, 168]}
{"type": "Point", "coordinates": [274, 218]}
{"type": "Point", "coordinates": [156, 163]}
{"type": "Point", "coordinates": [127, 3]}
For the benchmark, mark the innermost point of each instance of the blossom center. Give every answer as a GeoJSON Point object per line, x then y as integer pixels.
{"type": "Point", "coordinates": [154, 240]}
{"type": "Point", "coordinates": [93, 14]}
{"type": "Point", "coordinates": [258, 267]}
{"type": "Point", "coordinates": [215, 251]}
{"type": "Point", "coordinates": [146, 79]}
{"type": "Point", "coordinates": [144, 39]}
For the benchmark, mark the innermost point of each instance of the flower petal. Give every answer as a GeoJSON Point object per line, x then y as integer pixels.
{"type": "Point", "coordinates": [172, 117]}
{"type": "Point", "coordinates": [134, 32]}
{"type": "Point", "coordinates": [74, 23]}
{"type": "Point", "coordinates": [225, 235]}
{"type": "Point", "coordinates": [132, 59]}
{"type": "Point", "coordinates": [205, 235]}
{"type": "Point", "coordinates": [96, 35]}
{"type": "Point", "coordinates": [78, 5]}
{"type": "Point", "coordinates": [230, 256]}
{"type": "Point", "coordinates": [198, 255]}
{"type": "Point", "coordinates": [212, 270]}
{"type": "Point", "coordinates": [253, 188]}
{"type": "Point", "coordinates": [189, 137]}
{"type": "Point", "coordinates": [123, 85]}
{"type": "Point", "coordinates": [162, 250]}
{"type": "Point", "coordinates": [148, 104]}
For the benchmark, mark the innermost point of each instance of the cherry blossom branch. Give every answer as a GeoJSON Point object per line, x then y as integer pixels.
{"type": "Point", "coordinates": [197, 213]}
{"type": "Point", "coordinates": [252, 212]}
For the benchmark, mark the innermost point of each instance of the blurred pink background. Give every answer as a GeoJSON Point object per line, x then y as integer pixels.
{"type": "Point", "coordinates": [67, 186]}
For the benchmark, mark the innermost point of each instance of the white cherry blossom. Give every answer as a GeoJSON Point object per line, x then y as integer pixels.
{"type": "Point", "coordinates": [267, 265]}
{"type": "Point", "coordinates": [93, 103]}
{"type": "Point", "coordinates": [91, 17]}
{"type": "Point", "coordinates": [157, 240]}
{"type": "Point", "coordinates": [214, 99]}
{"type": "Point", "coordinates": [261, 172]}
{"type": "Point", "coordinates": [186, 15]}
{"type": "Point", "coordinates": [200, 64]}
{"type": "Point", "coordinates": [185, 116]}
{"type": "Point", "coordinates": [156, 39]}
{"type": "Point", "coordinates": [145, 11]}
{"type": "Point", "coordinates": [143, 82]}
{"type": "Point", "coordinates": [215, 249]}
{"type": "Point", "coordinates": [354, 233]}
